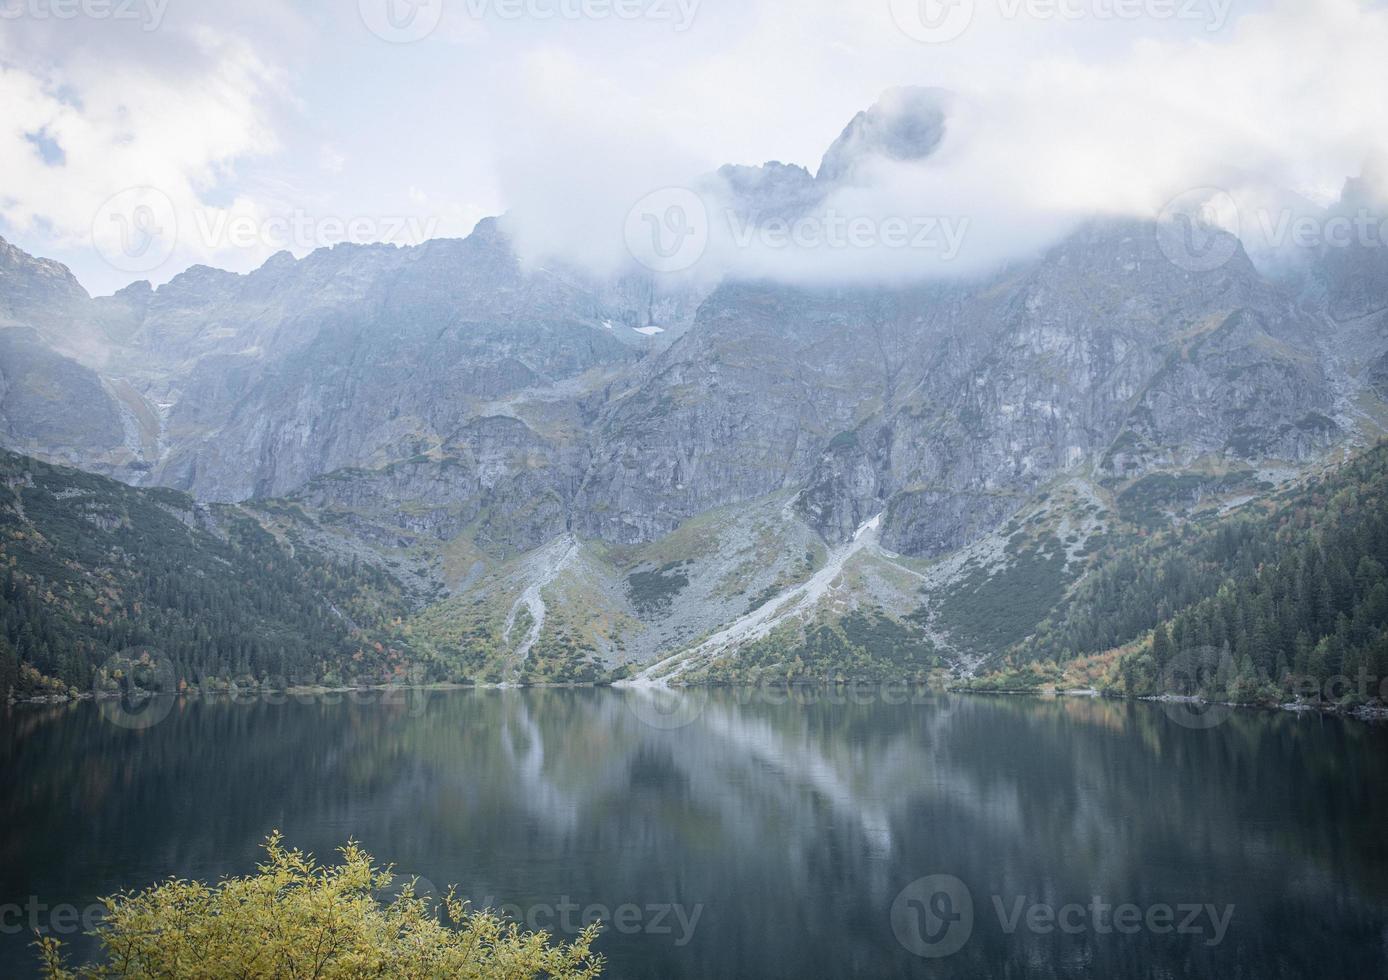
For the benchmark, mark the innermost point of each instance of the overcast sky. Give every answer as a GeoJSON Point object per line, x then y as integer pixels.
{"type": "Point", "coordinates": [264, 123]}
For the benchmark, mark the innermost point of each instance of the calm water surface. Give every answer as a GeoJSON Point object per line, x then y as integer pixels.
{"type": "Point", "coordinates": [759, 839]}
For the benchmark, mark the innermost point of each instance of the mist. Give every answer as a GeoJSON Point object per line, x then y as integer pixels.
{"type": "Point", "coordinates": [1274, 116]}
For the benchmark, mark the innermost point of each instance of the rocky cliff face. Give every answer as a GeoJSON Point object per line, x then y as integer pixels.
{"type": "Point", "coordinates": [906, 124]}
{"type": "Point", "coordinates": [1353, 268]}
{"type": "Point", "coordinates": [946, 406]}
{"type": "Point", "coordinates": [38, 292]}
{"type": "Point", "coordinates": [235, 386]}
{"type": "Point", "coordinates": [421, 397]}
{"type": "Point", "coordinates": [949, 400]}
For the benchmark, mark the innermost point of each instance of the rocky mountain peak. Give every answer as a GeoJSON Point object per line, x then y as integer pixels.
{"type": "Point", "coordinates": [774, 189]}
{"type": "Point", "coordinates": [1369, 190]}
{"type": "Point", "coordinates": [905, 124]}
{"type": "Point", "coordinates": [30, 285]}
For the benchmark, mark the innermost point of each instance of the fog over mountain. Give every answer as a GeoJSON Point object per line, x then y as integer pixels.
{"type": "Point", "coordinates": [662, 404]}
{"type": "Point", "coordinates": [1024, 153]}
{"type": "Point", "coordinates": [247, 117]}
{"type": "Point", "coordinates": [751, 466]}
{"type": "Point", "coordinates": [493, 427]}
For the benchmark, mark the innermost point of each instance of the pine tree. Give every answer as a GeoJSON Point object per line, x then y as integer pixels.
{"type": "Point", "coordinates": [1161, 647]}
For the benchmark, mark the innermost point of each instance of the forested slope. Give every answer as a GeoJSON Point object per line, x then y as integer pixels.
{"type": "Point", "coordinates": [91, 569]}
{"type": "Point", "coordinates": [1286, 593]}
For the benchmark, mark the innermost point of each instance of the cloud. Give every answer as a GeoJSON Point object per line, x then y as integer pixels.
{"type": "Point", "coordinates": [264, 110]}
{"type": "Point", "coordinates": [118, 123]}
{"type": "Point", "coordinates": [1286, 101]}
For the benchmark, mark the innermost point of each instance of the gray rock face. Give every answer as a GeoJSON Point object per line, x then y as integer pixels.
{"type": "Point", "coordinates": [427, 393]}
{"type": "Point", "coordinates": [1354, 270]}
{"type": "Point", "coordinates": [959, 401]}
{"type": "Point", "coordinates": [906, 124]}
{"type": "Point", "coordinates": [847, 490]}
{"type": "Point", "coordinates": [419, 378]}
{"type": "Point", "coordinates": [1378, 376]}
{"type": "Point", "coordinates": [932, 523]}
{"type": "Point", "coordinates": [773, 190]}
{"type": "Point", "coordinates": [740, 407]}
{"type": "Point", "coordinates": [245, 386]}
{"type": "Point", "coordinates": [514, 487]}
{"type": "Point", "coordinates": [51, 401]}
{"type": "Point", "coordinates": [37, 292]}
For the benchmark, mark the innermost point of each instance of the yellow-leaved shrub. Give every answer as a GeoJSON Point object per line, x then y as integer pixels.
{"type": "Point", "coordinates": [297, 918]}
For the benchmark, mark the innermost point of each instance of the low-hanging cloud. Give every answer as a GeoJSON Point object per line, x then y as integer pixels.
{"type": "Point", "coordinates": [1277, 112]}
{"type": "Point", "coordinates": [258, 117]}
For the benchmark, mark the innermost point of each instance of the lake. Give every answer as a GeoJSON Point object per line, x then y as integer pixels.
{"type": "Point", "coordinates": [747, 833]}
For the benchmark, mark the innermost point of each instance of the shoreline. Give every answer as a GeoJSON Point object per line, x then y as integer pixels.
{"type": "Point", "coordinates": [1365, 713]}
{"type": "Point", "coordinates": [298, 690]}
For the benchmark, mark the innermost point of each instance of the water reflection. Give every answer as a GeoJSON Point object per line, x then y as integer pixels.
{"type": "Point", "coordinates": [792, 828]}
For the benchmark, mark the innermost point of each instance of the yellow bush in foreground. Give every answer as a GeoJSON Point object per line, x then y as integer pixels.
{"type": "Point", "coordinates": [298, 919]}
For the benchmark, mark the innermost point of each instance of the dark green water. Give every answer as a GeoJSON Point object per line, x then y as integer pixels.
{"type": "Point", "coordinates": [760, 839]}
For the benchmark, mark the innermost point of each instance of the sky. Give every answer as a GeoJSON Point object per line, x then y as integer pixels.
{"type": "Point", "coordinates": [138, 137]}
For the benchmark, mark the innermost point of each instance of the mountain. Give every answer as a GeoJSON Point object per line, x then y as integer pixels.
{"type": "Point", "coordinates": [234, 386]}
{"type": "Point", "coordinates": [906, 124]}
{"type": "Point", "coordinates": [553, 485]}
{"type": "Point", "coordinates": [1281, 597]}
{"type": "Point", "coordinates": [96, 576]}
